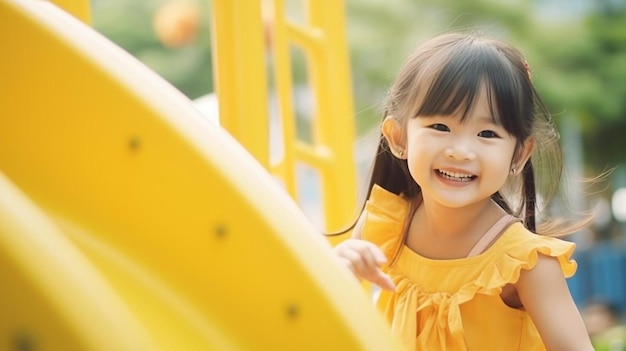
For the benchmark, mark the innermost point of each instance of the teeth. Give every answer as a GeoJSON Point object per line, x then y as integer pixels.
{"type": "Point", "coordinates": [463, 177]}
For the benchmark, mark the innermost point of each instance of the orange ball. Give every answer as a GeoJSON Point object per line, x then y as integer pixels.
{"type": "Point", "coordinates": [176, 23]}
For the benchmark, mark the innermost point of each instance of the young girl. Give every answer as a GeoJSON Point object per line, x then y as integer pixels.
{"type": "Point", "coordinates": [457, 256]}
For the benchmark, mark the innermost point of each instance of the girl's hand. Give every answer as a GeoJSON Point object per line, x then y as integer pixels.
{"type": "Point", "coordinates": [364, 259]}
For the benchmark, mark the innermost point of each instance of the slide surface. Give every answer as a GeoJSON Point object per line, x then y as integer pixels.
{"type": "Point", "coordinates": [129, 223]}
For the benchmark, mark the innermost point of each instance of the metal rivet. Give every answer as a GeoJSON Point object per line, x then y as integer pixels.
{"type": "Point", "coordinates": [221, 231]}
{"type": "Point", "coordinates": [134, 143]}
{"type": "Point", "coordinates": [293, 311]}
{"type": "Point", "coordinates": [23, 341]}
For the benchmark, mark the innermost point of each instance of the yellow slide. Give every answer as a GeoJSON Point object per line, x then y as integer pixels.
{"type": "Point", "coordinates": [129, 223]}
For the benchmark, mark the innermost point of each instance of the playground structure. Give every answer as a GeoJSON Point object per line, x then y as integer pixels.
{"type": "Point", "coordinates": [127, 222]}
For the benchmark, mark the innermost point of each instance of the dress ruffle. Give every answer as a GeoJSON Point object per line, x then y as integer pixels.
{"type": "Point", "coordinates": [522, 253]}
{"type": "Point", "coordinates": [386, 214]}
{"type": "Point", "coordinates": [439, 311]}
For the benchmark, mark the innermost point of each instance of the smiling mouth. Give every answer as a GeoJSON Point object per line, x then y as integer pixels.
{"type": "Point", "coordinates": [456, 176]}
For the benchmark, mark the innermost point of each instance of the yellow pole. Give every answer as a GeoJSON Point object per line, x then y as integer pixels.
{"type": "Point", "coordinates": [334, 128]}
{"type": "Point", "coordinates": [240, 76]}
{"type": "Point", "coordinates": [284, 168]}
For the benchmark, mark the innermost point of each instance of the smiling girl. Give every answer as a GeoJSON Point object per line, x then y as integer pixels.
{"type": "Point", "coordinates": [463, 265]}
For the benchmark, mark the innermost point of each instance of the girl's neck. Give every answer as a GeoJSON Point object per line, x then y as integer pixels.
{"type": "Point", "coordinates": [438, 232]}
{"type": "Point", "coordinates": [444, 222]}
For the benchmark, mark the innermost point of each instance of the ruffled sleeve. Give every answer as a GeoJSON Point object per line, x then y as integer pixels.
{"type": "Point", "coordinates": [519, 251]}
{"type": "Point", "coordinates": [386, 215]}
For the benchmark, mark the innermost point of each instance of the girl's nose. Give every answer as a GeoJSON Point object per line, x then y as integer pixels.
{"type": "Point", "coordinates": [460, 152]}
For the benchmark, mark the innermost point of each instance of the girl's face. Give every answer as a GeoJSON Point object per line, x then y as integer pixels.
{"type": "Point", "coordinates": [459, 163]}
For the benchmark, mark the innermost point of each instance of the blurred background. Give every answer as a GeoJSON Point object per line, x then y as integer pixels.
{"type": "Point", "coordinates": [576, 50]}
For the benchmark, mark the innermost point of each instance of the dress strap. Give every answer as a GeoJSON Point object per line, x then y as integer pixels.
{"type": "Point", "coordinates": [492, 234]}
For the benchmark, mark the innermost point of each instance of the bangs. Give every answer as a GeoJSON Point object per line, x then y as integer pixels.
{"type": "Point", "coordinates": [463, 71]}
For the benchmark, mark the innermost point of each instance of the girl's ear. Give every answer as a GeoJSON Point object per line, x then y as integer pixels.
{"type": "Point", "coordinates": [523, 154]}
{"type": "Point", "coordinates": [395, 135]}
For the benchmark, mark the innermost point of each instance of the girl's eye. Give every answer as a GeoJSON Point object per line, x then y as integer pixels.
{"type": "Point", "coordinates": [488, 134]}
{"type": "Point", "coordinates": [440, 127]}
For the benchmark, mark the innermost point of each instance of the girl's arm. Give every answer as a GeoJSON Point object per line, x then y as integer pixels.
{"type": "Point", "coordinates": [545, 295]}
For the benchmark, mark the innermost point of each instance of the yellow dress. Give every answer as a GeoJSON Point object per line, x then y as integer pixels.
{"type": "Point", "coordinates": [455, 304]}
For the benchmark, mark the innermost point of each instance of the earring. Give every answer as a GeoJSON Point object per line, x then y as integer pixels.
{"type": "Point", "coordinates": [401, 153]}
{"type": "Point", "coordinates": [513, 170]}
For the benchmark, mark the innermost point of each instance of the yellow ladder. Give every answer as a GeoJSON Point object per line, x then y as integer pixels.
{"type": "Point", "coordinates": [241, 79]}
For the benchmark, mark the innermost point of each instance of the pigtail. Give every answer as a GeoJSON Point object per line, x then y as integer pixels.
{"type": "Point", "coordinates": [530, 196]}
